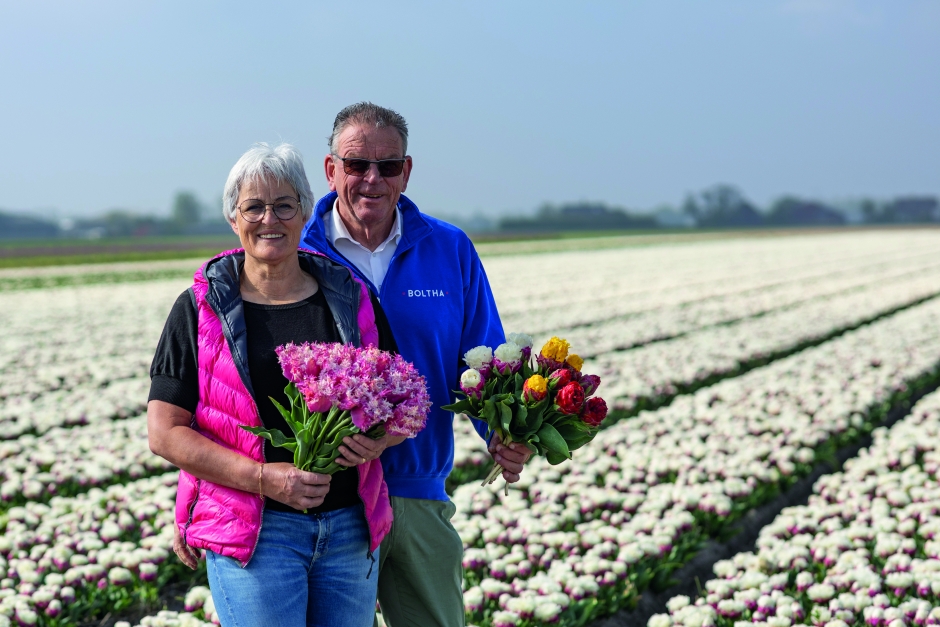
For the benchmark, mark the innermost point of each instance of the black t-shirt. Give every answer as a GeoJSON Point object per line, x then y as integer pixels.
{"type": "Point", "coordinates": [175, 379]}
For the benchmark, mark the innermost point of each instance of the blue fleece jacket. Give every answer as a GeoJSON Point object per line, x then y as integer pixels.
{"type": "Point", "coordinates": [439, 305]}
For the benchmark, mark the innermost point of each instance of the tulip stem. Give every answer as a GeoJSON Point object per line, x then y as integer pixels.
{"type": "Point", "coordinates": [493, 475]}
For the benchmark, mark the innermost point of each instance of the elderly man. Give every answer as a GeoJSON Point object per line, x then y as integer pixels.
{"type": "Point", "coordinates": [435, 294]}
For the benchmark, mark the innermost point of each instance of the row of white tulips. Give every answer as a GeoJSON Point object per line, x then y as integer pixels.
{"type": "Point", "coordinates": [602, 284]}
{"type": "Point", "coordinates": [667, 322]}
{"type": "Point", "coordinates": [864, 550]}
{"type": "Point", "coordinates": [58, 339]}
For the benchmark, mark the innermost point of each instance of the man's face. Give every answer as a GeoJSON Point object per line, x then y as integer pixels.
{"type": "Point", "coordinates": [367, 201]}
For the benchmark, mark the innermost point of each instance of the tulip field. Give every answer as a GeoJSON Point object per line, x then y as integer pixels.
{"type": "Point", "coordinates": [733, 368]}
{"type": "Point", "coordinates": [865, 550]}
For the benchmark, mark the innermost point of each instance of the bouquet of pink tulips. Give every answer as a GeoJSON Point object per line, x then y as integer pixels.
{"type": "Point", "coordinates": [546, 403]}
{"type": "Point", "coordinates": [336, 391]}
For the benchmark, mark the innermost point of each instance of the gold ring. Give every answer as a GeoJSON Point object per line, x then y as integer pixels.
{"type": "Point", "coordinates": [363, 460]}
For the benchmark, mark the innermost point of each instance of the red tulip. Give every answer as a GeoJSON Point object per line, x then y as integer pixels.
{"type": "Point", "coordinates": [594, 411]}
{"type": "Point", "coordinates": [570, 398]}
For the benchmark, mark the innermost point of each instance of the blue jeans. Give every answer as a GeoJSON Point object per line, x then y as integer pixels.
{"type": "Point", "coordinates": [307, 570]}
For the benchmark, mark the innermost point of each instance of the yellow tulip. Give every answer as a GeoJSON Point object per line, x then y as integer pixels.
{"type": "Point", "coordinates": [556, 348]}
{"type": "Point", "coordinates": [535, 388]}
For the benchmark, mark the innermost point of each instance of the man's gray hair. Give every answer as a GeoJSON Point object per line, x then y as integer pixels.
{"type": "Point", "coordinates": [283, 162]}
{"type": "Point", "coordinates": [368, 114]}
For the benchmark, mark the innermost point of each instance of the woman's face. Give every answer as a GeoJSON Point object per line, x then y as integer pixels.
{"type": "Point", "coordinates": [271, 239]}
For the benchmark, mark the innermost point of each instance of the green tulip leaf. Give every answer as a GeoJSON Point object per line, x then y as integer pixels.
{"type": "Point", "coordinates": [490, 413]}
{"type": "Point", "coordinates": [460, 407]}
{"type": "Point", "coordinates": [520, 418]}
{"type": "Point", "coordinates": [294, 425]}
{"type": "Point", "coordinates": [274, 436]}
{"type": "Point", "coordinates": [553, 441]}
{"type": "Point", "coordinates": [505, 416]}
{"type": "Point", "coordinates": [571, 429]}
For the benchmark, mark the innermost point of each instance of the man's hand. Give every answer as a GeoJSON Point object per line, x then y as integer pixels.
{"type": "Point", "coordinates": [187, 554]}
{"type": "Point", "coordinates": [288, 484]}
{"type": "Point", "coordinates": [360, 449]}
{"type": "Point", "coordinates": [511, 457]}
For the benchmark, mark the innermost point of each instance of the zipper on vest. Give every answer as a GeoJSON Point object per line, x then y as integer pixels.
{"type": "Point", "coordinates": [192, 509]}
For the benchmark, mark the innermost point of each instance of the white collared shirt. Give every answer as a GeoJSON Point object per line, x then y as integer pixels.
{"type": "Point", "coordinates": [372, 263]}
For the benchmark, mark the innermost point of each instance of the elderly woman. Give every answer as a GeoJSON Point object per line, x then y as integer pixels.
{"type": "Point", "coordinates": [240, 498]}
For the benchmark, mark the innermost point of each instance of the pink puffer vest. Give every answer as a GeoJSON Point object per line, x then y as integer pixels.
{"type": "Point", "coordinates": [226, 520]}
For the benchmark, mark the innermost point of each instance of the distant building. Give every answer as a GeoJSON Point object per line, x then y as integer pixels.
{"type": "Point", "coordinates": [671, 218]}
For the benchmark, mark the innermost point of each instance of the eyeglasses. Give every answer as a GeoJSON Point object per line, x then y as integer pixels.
{"type": "Point", "coordinates": [388, 168]}
{"type": "Point", "coordinates": [284, 209]}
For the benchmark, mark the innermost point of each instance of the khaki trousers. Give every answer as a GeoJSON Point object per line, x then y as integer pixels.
{"type": "Point", "coordinates": [420, 566]}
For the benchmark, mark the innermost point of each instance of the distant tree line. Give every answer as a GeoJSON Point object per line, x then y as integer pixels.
{"type": "Point", "coordinates": [578, 217]}
{"type": "Point", "coordinates": [720, 206]}
{"type": "Point", "coordinates": [724, 206]}
{"type": "Point", "coordinates": [188, 216]}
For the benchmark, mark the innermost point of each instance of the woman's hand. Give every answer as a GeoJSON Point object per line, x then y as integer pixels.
{"type": "Point", "coordinates": [360, 449]}
{"type": "Point", "coordinates": [287, 484]}
{"type": "Point", "coordinates": [511, 457]}
{"type": "Point", "coordinates": [187, 554]}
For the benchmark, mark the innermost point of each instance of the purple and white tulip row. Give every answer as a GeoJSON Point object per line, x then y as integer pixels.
{"type": "Point", "coordinates": [646, 486]}
{"type": "Point", "coordinates": [58, 557]}
{"type": "Point", "coordinates": [82, 405]}
{"type": "Point", "coordinates": [198, 611]}
{"type": "Point", "coordinates": [661, 368]}
{"type": "Point", "coordinates": [67, 461]}
{"type": "Point", "coordinates": [865, 550]}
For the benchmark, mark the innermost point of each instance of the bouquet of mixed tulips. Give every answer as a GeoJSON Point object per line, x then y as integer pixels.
{"type": "Point", "coordinates": [338, 390]}
{"type": "Point", "coordinates": [545, 403]}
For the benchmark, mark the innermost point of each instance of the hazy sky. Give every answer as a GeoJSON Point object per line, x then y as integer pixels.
{"type": "Point", "coordinates": [510, 104]}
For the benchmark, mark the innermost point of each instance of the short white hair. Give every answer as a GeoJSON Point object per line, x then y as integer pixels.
{"type": "Point", "coordinates": [283, 162]}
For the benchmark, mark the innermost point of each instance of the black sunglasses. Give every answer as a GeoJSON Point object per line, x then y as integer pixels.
{"type": "Point", "coordinates": [388, 168]}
